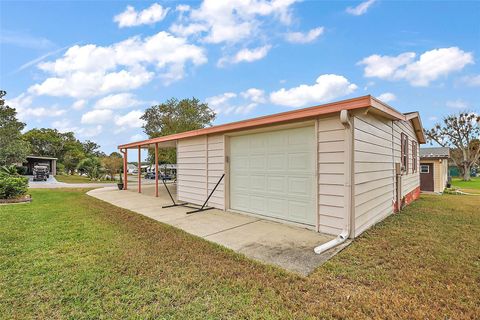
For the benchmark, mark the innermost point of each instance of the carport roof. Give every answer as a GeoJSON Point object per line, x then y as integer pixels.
{"type": "Point", "coordinates": [369, 102]}
{"type": "Point", "coordinates": [41, 157]}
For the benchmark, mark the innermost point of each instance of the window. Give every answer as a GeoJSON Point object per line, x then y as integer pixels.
{"type": "Point", "coordinates": [404, 151]}
{"type": "Point", "coordinates": [424, 168]}
{"type": "Point", "coordinates": [414, 157]}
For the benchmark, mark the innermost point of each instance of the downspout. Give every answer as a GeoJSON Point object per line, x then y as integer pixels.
{"type": "Point", "coordinates": [349, 173]}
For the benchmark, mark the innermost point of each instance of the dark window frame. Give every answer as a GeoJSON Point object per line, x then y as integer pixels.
{"type": "Point", "coordinates": [414, 157]}
{"type": "Point", "coordinates": [424, 166]}
{"type": "Point", "coordinates": [404, 152]}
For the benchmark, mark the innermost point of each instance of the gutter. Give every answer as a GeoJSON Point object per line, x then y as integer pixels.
{"type": "Point", "coordinates": [349, 182]}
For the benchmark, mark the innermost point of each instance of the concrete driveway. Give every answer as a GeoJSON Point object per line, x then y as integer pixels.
{"type": "Point", "coordinates": [287, 246]}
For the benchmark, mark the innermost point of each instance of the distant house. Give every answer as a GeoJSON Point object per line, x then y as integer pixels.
{"type": "Point", "coordinates": [131, 168]}
{"type": "Point", "coordinates": [33, 161]}
{"type": "Point", "coordinates": [434, 169]}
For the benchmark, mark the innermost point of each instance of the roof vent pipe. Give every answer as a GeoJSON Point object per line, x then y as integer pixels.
{"type": "Point", "coordinates": [347, 231]}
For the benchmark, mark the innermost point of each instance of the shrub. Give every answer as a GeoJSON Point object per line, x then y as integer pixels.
{"type": "Point", "coordinates": [22, 170]}
{"type": "Point", "coordinates": [60, 168]}
{"type": "Point", "coordinates": [10, 170]}
{"type": "Point", "coordinates": [13, 186]}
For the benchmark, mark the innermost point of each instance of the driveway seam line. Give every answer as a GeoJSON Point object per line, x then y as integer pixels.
{"type": "Point", "coordinates": [240, 225]}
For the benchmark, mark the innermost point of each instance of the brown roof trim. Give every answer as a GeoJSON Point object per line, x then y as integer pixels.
{"type": "Point", "coordinates": [284, 117]}
{"type": "Point", "coordinates": [426, 158]}
{"type": "Point", "coordinates": [414, 117]}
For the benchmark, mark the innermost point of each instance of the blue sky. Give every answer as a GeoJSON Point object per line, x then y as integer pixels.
{"type": "Point", "coordinates": [93, 67]}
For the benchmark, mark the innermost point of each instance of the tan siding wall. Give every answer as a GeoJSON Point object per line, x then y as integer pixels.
{"type": "Point", "coordinates": [440, 173]}
{"type": "Point", "coordinates": [200, 163]}
{"type": "Point", "coordinates": [373, 170]}
{"type": "Point", "coordinates": [331, 177]}
{"type": "Point", "coordinates": [216, 167]}
{"type": "Point", "coordinates": [410, 180]}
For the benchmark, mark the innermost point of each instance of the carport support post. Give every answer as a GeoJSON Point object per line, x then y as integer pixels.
{"type": "Point", "coordinates": [139, 170]}
{"type": "Point", "coordinates": [125, 168]}
{"type": "Point", "coordinates": [156, 170]}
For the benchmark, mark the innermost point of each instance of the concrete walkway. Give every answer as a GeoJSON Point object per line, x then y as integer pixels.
{"type": "Point", "coordinates": [271, 242]}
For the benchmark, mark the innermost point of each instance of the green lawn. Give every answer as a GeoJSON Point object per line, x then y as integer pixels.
{"type": "Point", "coordinates": [78, 179]}
{"type": "Point", "coordinates": [472, 186]}
{"type": "Point", "coordinates": [69, 256]}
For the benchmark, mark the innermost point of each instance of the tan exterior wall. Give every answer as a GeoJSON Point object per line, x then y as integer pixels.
{"type": "Point", "coordinates": [331, 175]}
{"type": "Point", "coordinates": [410, 180]}
{"type": "Point", "coordinates": [440, 173]}
{"type": "Point", "coordinates": [376, 150]}
{"type": "Point", "coordinates": [374, 176]}
{"type": "Point", "coordinates": [200, 162]}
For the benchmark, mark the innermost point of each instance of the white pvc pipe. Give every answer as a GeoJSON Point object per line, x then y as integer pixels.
{"type": "Point", "coordinates": [342, 237]}
{"type": "Point", "coordinates": [332, 243]}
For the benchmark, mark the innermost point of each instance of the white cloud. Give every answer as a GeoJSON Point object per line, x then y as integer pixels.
{"type": "Point", "coordinates": [222, 103]}
{"type": "Point", "coordinates": [91, 70]}
{"type": "Point", "coordinates": [433, 118]}
{"type": "Point", "coordinates": [131, 119]}
{"type": "Point", "coordinates": [232, 21]}
{"type": "Point", "coordinates": [457, 104]}
{"type": "Point", "coordinates": [65, 125]}
{"type": "Point", "coordinates": [361, 9]}
{"type": "Point", "coordinates": [130, 17]}
{"type": "Point", "coordinates": [137, 137]}
{"type": "Point", "coordinates": [326, 88]}
{"type": "Point", "coordinates": [40, 112]}
{"type": "Point", "coordinates": [384, 67]}
{"type": "Point", "coordinates": [246, 55]}
{"type": "Point", "coordinates": [472, 80]}
{"type": "Point", "coordinates": [79, 104]}
{"type": "Point", "coordinates": [219, 100]}
{"type": "Point", "coordinates": [90, 132]}
{"type": "Point", "coordinates": [430, 66]}
{"type": "Point", "coordinates": [299, 37]}
{"type": "Point", "coordinates": [254, 95]}
{"type": "Point", "coordinates": [24, 40]}
{"type": "Point", "coordinates": [117, 101]}
{"type": "Point", "coordinates": [99, 116]}
{"type": "Point", "coordinates": [22, 104]}
{"type": "Point", "coordinates": [23, 100]}
{"type": "Point", "coordinates": [387, 97]}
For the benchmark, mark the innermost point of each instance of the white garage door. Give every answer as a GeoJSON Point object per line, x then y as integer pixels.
{"type": "Point", "coordinates": [273, 174]}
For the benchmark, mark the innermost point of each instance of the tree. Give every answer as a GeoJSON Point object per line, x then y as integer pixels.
{"type": "Point", "coordinates": [175, 116]}
{"type": "Point", "coordinates": [13, 149]}
{"type": "Point", "coordinates": [92, 167]}
{"type": "Point", "coordinates": [51, 142]}
{"type": "Point", "coordinates": [459, 132]}
{"type": "Point", "coordinates": [91, 149]}
{"type": "Point", "coordinates": [71, 159]}
{"type": "Point", "coordinates": [113, 164]}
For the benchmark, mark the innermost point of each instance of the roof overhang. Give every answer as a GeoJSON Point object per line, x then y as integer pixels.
{"type": "Point", "coordinates": [414, 117]}
{"type": "Point", "coordinates": [40, 157]}
{"type": "Point", "coordinates": [374, 105]}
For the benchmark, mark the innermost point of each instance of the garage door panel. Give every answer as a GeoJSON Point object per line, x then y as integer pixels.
{"type": "Point", "coordinates": [276, 207]}
{"type": "Point", "coordinates": [300, 186]}
{"type": "Point", "coordinates": [300, 161]}
{"type": "Point", "coordinates": [257, 162]}
{"type": "Point", "coordinates": [258, 204]}
{"type": "Point", "coordinates": [257, 182]}
{"type": "Point", "coordinates": [273, 174]}
{"type": "Point", "coordinates": [299, 210]}
{"type": "Point", "coordinates": [241, 201]}
{"type": "Point", "coordinates": [276, 161]}
{"type": "Point", "coordinates": [276, 185]}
